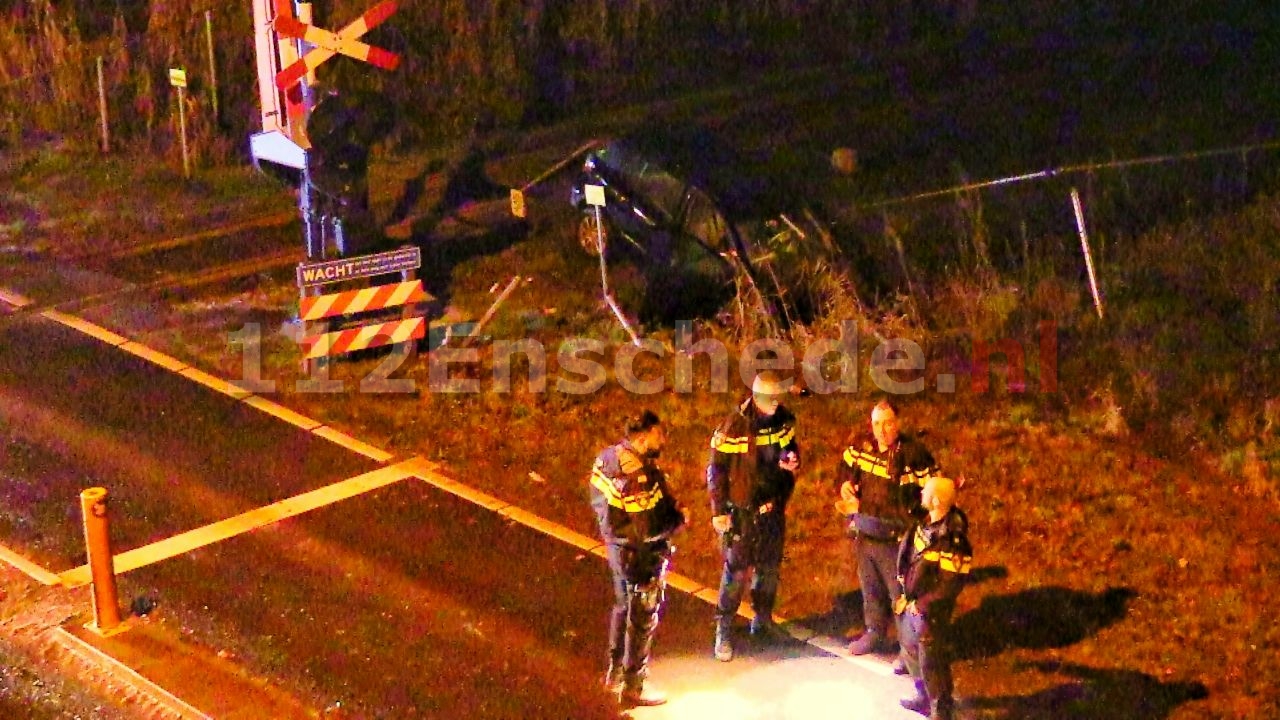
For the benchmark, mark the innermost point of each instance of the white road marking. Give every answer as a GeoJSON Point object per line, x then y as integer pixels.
{"type": "Point", "coordinates": [244, 522]}
{"type": "Point", "coordinates": [13, 298]}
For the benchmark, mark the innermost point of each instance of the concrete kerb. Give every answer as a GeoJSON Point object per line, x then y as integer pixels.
{"type": "Point", "coordinates": [93, 655]}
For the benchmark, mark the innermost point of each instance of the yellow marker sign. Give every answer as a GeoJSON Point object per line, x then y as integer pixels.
{"type": "Point", "coordinates": [517, 203]}
{"type": "Point", "coordinates": [178, 77]}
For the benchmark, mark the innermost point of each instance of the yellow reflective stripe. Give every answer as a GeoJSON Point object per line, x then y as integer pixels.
{"type": "Point", "coordinates": [919, 477]}
{"type": "Point", "coordinates": [874, 468]}
{"type": "Point", "coordinates": [951, 562]}
{"type": "Point", "coordinates": [605, 485]}
{"type": "Point", "coordinates": [639, 502]}
{"type": "Point", "coordinates": [726, 444]}
{"type": "Point", "coordinates": [780, 437]}
{"type": "Point", "coordinates": [955, 563]}
{"type": "Point", "coordinates": [642, 501]}
{"type": "Point", "coordinates": [866, 462]}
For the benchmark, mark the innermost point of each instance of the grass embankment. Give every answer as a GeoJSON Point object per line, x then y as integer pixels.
{"type": "Point", "coordinates": [1120, 522]}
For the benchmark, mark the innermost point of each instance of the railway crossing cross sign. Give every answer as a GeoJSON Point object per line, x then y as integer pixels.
{"type": "Point", "coordinates": [327, 44]}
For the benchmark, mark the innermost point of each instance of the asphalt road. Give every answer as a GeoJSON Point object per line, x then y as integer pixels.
{"type": "Point", "coordinates": [403, 599]}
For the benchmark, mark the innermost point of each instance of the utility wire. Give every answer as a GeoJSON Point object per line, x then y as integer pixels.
{"type": "Point", "coordinates": [1079, 168]}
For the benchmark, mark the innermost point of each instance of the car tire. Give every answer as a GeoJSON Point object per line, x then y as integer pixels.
{"type": "Point", "coordinates": [588, 235]}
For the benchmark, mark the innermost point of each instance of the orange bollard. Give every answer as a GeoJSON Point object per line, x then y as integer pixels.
{"type": "Point", "coordinates": [106, 611]}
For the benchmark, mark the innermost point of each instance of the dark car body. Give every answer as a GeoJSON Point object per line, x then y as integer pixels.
{"type": "Point", "coordinates": [703, 221]}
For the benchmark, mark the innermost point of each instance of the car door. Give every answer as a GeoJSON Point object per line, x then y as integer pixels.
{"type": "Point", "coordinates": [702, 251]}
{"type": "Point", "coordinates": [707, 247]}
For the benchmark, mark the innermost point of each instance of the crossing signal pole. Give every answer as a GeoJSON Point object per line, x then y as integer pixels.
{"type": "Point", "coordinates": [289, 49]}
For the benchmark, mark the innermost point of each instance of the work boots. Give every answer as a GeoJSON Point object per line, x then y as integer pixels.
{"type": "Point", "coordinates": [614, 680]}
{"type": "Point", "coordinates": [937, 709]}
{"type": "Point", "coordinates": [900, 666]}
{"type": "Point", "coordinates": [942, 710]}
{"type": "Point", "coordinates": [764, 629]}
{"type": "Point", "coordinates": [918, 703]}
{"type": "Point", "coordinates": [870, 642]}
{"type": "Point", "coordinates": [723, 649]}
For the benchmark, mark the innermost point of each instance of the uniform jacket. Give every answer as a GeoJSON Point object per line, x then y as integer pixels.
{"type": "Point", "coordinates": [933, 561]}
{"type": "Point", "coordinates": [887, 484]}
{"type": "Point", "coordinates": [745, 449]}
{"type": "Point", "coordinates": [631, 499]}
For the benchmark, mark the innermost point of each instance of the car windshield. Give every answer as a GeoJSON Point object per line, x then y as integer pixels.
{"type": "Point", "coordinates": [704, 221]}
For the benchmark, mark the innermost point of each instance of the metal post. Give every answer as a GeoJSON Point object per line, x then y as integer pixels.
{"type": "Point", "coordinates": [102, 108]}
{"type": "Point", "coordinates": [339, 237]}
{"type": "Point", "coordinates": [409, 311]}
{"type": "Point", "coordinates": [182, 130]}
{"type": "Point", "coordinates": [305, 363]}
{"type": "Point", "coordinates": [97, 538]}
{"type": "Point", "coordinates": [604, 279]}
{"type": "Point", "coordinates": [213, 68]}
{"type": "Point", "coordinates": [312, 225]}
{"type": "Point", "coordinates": [1088, 257]}
{"type": "Point", "coordinates": [312, 220]}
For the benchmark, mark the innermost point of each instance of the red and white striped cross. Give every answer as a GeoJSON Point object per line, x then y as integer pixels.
{"type": "Point", "coordinates": [327, 44]}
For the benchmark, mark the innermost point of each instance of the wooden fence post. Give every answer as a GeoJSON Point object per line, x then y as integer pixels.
{"type": "Point", "coordinates": [102, 109]}
{"type": "Point", "coordinates": [213, 67]}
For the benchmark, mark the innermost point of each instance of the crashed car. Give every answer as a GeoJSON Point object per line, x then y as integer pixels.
{"type": "Point", "coordinates": [704, 222]}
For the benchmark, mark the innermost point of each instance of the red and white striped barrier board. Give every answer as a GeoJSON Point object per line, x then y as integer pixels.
{"type": "Point", "coordinates": [369, 336]}
{"type": "Point", "coordinates": [327, 44]}
{"type": "Point", "coordinates": [349, 302]}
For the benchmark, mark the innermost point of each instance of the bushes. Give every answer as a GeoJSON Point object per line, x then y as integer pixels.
{"type": "Point", "coordinates": [517, 62]}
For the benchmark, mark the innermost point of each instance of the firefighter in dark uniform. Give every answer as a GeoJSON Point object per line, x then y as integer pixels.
{"type": "Point", "coordinates": [880, 479]}
{"type": "Point", "coordinates": [637, 515]}
{"type": "Point", "coordinates": [933, 562]}
{"type": "Point", "coordinates": [750, 478]}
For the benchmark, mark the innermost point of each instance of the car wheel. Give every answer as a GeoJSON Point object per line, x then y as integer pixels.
{"type": "Point", "coordinates": [590, 233]}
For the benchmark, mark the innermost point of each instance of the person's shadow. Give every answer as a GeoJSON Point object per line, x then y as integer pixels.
{"type": "Point", "coordinates": [429, 214]}
{"type": "Point", "coordinates": [462, 180]}
{"type": "Point", "coordinates": [1097, 693]}
{"type": "Point", "coordinates": [412, 192]}
{"type": "Point", "coordinates": [1034, 619]}
{"type": "Point", "coordinates": [844, 618]}
{"type": "Point", "coordinates": [1038, 618]}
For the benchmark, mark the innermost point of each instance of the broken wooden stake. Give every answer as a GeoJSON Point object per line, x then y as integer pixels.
{"type": "Point", "coordinates": [488, 315]}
